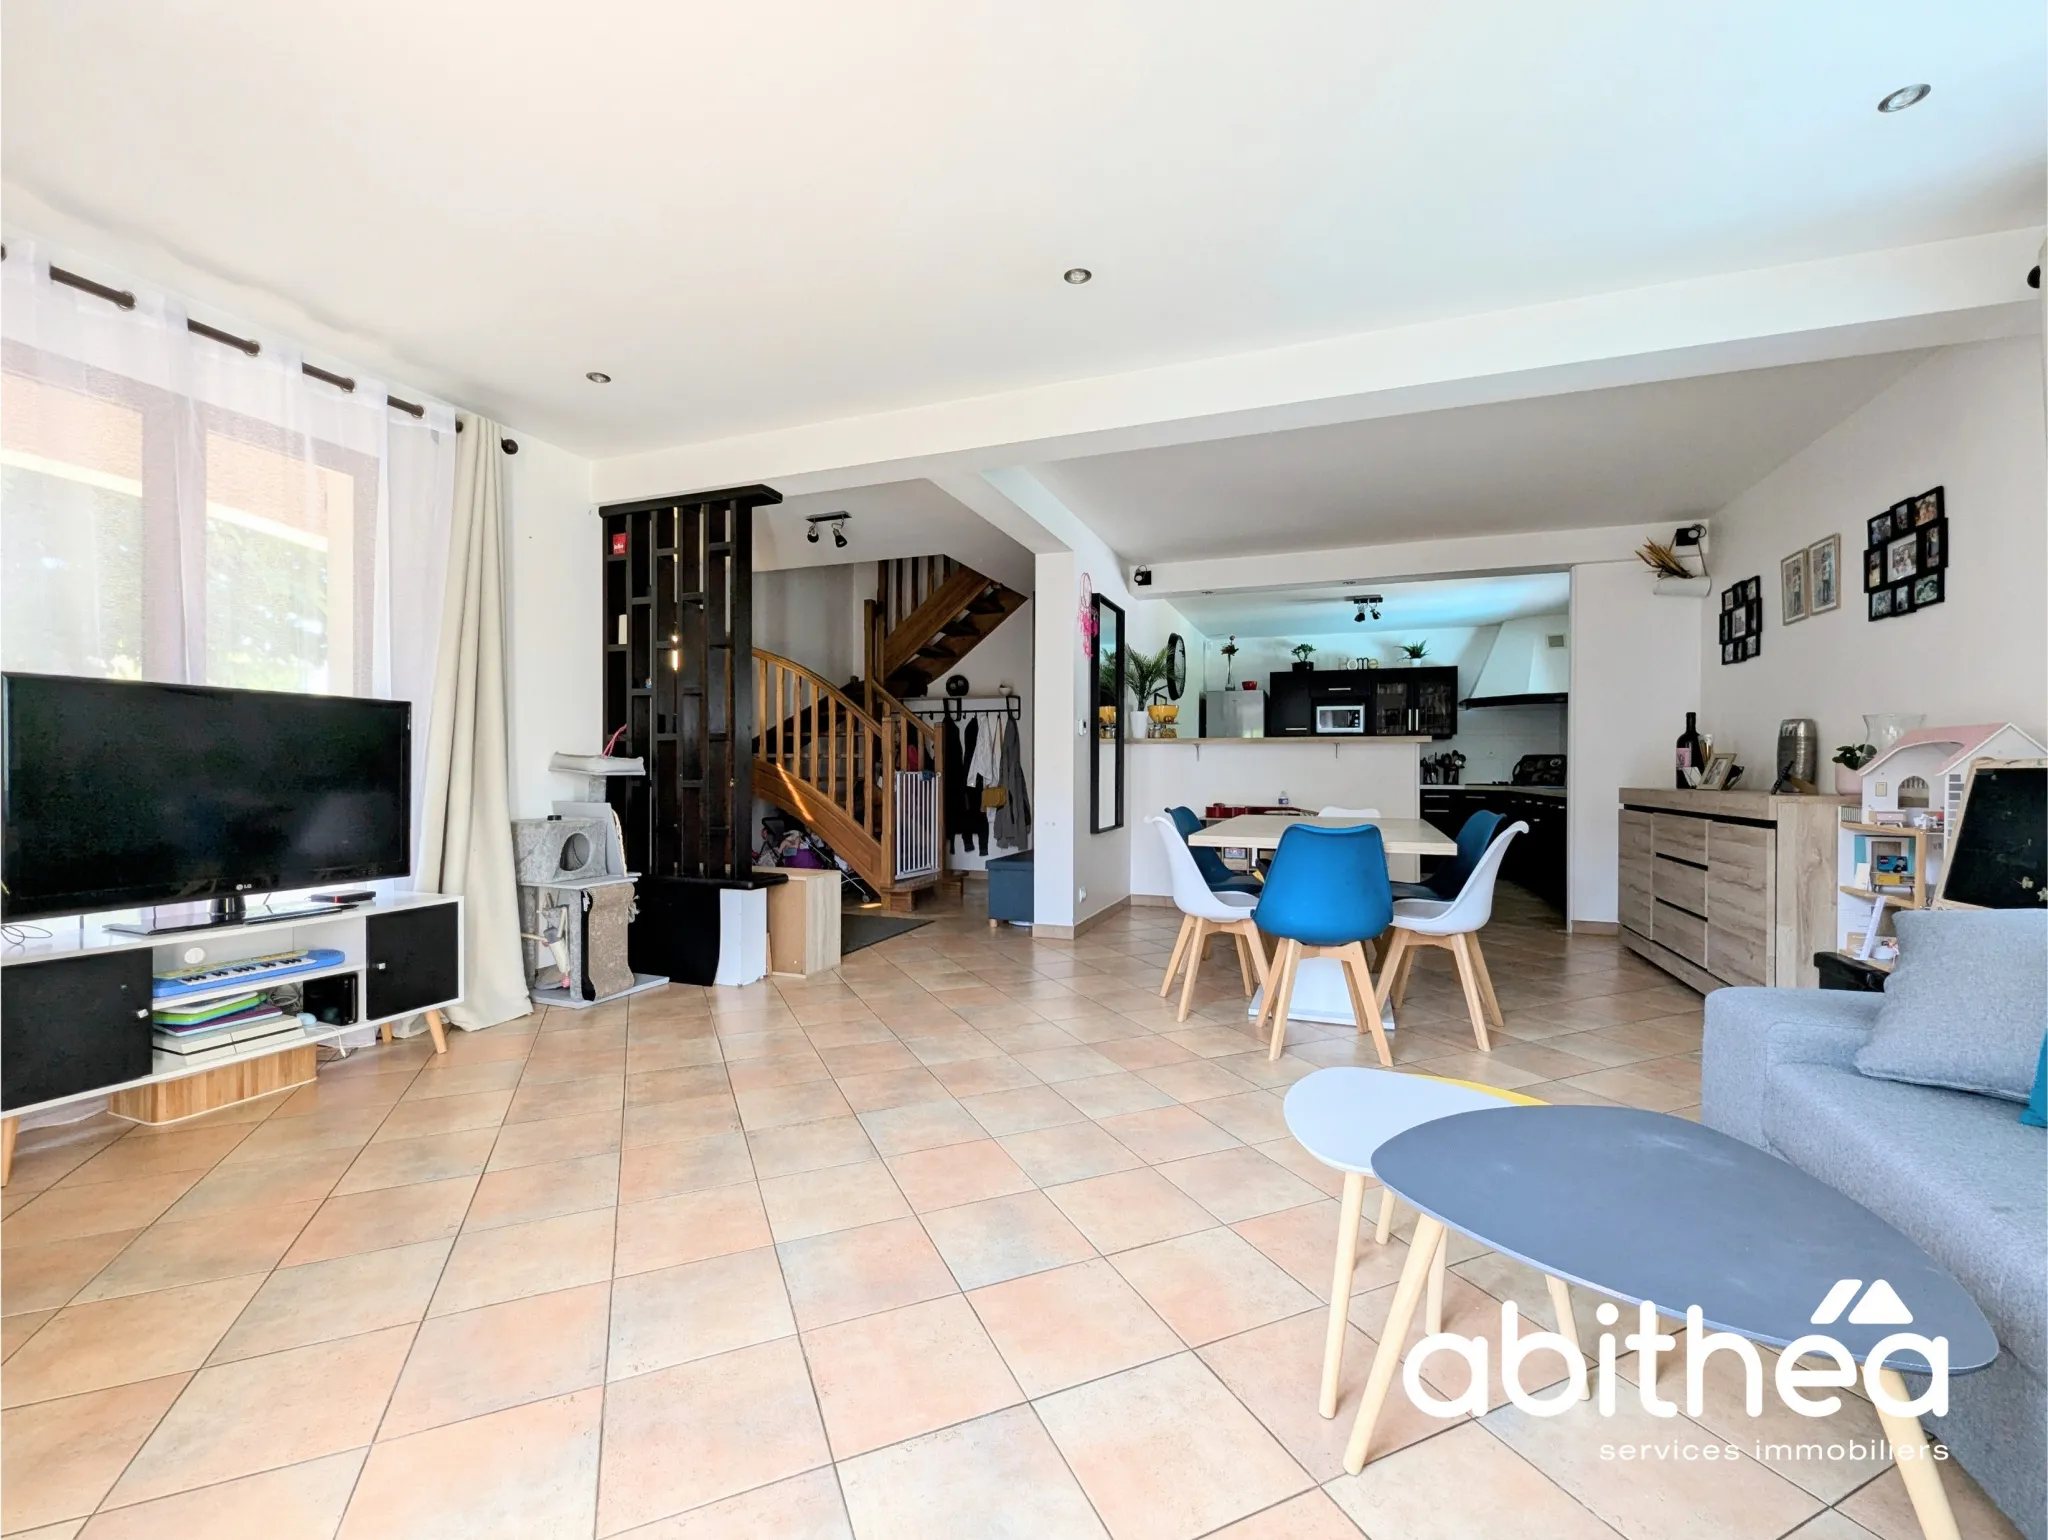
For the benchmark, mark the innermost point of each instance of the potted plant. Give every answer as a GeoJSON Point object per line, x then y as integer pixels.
{"type": "Point", "coordinates": [1229, 650]}
{"type": "Point", "coordinates": [1302, 653]}
{"type": "Point", "coordinates": [1416, 652]}
{"type": "Point", "coordinates": [1850, 759]}
{"type": "Point", "coordinates": [1146, 673]}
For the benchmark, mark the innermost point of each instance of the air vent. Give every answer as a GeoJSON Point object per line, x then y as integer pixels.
{"type": "Point", "coordinates": [1555, 639]}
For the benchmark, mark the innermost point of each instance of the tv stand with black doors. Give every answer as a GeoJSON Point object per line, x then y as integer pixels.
{"type": "Point", "coordinates": [77, 1008]}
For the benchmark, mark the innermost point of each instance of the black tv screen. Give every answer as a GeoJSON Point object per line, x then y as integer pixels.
{"type": "Point", "coordinates": [119, 795]}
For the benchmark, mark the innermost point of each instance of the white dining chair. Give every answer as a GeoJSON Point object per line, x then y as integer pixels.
{"type": "Point", "coordinates": [1206, 913]}
{"type": "Point", "coordinates": [1454, 926]}
{"type": "Point", "coordinates": [1349, 812]}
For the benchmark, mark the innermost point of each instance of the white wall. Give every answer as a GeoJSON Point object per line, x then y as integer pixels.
{"type": "Point", "coordinates": [554, 608]}
{"type": "Point", "coordinates": [812, 616]}
{"type": "Point", "coordinates": [1968, 419]}
{"type": "Point", "coordinates": [1635, 673]}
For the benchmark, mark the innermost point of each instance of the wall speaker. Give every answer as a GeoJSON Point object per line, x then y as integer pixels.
{"type": "Point", "coordinates": [551, 850]}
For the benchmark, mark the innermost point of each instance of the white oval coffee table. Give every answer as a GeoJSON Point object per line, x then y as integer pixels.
{"type": "Point", "coordinates": [1341, 1117]}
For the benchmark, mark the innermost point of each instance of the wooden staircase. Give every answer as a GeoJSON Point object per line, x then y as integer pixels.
{"type": "Point", "coordinates": [863, 774]}
{"type": "Point", "coordinates": [929, 613]}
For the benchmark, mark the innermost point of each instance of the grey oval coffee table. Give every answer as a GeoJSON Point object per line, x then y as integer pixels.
{"type": "Point", "coordinates": [1642, 1206]}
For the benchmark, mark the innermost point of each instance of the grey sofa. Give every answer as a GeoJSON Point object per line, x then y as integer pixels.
{"type": "Point", "coordinates": [1956, 1172]}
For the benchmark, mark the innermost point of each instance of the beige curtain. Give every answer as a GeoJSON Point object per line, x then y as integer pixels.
{"type": "Point", "coordinates": [466, 828]}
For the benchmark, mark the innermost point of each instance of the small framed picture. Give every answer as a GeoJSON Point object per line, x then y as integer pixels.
{"type": "Point", "coordinates": [1902, 515]}
{"type": "Point", "coordinates": [1880, 604]}
{"type": "Point", "coordinates": [1726, 619]}
{"type": "Point", "coordinates": [1738, 623]}
{"type": "Point", "coordinates": [1728, 598]}
{"type": "Point", "coordinates": [1927, 508]}
{"type": "Point", "coordinates": [1727, 652]}
{"type": "Point", "coordinates": [1902, 598]}
{"type": "Point", "coordinates": [1753, 646]}
{"type": "Point", "coordinates": [1934, 546]}
{"type": "Point", "coordinates": [1873, 569]}
{"type": "Point", "coordinates": [1824, 574]}
{"type": "Point", "coordinates": [1792, 588]}
{"type": "Point", "coordinates": [1756, 590]}
{"type": "Point", "coordinates": [1927, 590]}
{"type": "Point", "coordinates": [1880, 528]}
{"type": "Point", "coordinates": [1902, 558]}
{"type": "Point", "coordinates": [1718, 766]}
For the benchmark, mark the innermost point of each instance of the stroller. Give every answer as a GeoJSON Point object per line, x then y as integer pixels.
{"type": "Point", "coordinates": [787, 843]}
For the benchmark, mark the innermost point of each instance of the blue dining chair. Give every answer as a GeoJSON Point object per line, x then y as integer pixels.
{"type": "Point", "coordinates": [1448, 880]}
{"type": "Point", "coordinates": [1325, 895]}
{"type": "Point", "coordinates": [1221, 879]}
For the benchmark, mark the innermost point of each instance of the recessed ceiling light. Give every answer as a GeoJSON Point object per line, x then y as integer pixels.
{"type": "Point", "coordinates": [598, 377]}
{"type": "Point", "coordinates": [1904, 97]}
{"type": "Point", "coordinates": [1077, 275]}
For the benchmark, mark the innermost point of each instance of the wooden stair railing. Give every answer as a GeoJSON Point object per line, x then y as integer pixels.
{"type": "Point", "coordinates": [852, 770]}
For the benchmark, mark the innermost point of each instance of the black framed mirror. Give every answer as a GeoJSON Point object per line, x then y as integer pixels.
{"type": "Point", "coordinates": [1111, 676]}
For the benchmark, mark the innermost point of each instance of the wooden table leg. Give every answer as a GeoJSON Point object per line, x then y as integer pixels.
{"type": "Point", "coordinates": [1567, 1324]}
{"type": "Point", "coordinates": [1433, 1315]}
{"type": "Point", "coordinates": [1386, 1224]}
{"type": "Point", "coordinates": [1340, 1288]}
{"type": "Point", "coordinates": [439, 1029]}
{"type": "Point", "coordinates": [1917, 1467]}
{"type": "Point", "coordinates": [10, 1129]}
{"type": "Point", "coordinates": [1386, 1358]}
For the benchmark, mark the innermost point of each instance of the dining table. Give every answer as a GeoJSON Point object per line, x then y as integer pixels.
{"type": "Point", "coordinates": [1320, 993]}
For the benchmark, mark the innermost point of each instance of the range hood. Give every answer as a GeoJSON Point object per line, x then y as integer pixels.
{"type": "Point", "coordinates": [1530, 665]}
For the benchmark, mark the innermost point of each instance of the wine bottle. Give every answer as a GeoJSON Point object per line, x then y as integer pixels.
{"type": "Point", "coordinates": [1690, 750]}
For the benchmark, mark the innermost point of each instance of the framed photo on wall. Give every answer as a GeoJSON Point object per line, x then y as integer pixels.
{"type": "Point", "coordinates": [1824, 574]}
{"type": "Point", "coordinates": [1881, 604]}
{"type": "Point", "coordinates": [1934, 546]}
{"type": "Point", "coordinates": [1873, 569]}
{"type": "Point", "coordinates": [1902, 558]}
{"type": "Point", "coordinates": [1905, 564]}
{"type": "Point", "coordinates": [1792, 588]}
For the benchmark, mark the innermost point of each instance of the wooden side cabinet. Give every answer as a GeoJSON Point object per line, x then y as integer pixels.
{"type": "Point", "coordinates": [1731, 887]}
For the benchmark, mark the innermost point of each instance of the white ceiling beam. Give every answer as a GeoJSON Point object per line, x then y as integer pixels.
{"type": "Point", "coordinates": [1882, 301]}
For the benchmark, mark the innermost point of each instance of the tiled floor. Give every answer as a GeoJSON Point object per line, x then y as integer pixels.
{"type": "Point", "coordinates": [970, 1238]}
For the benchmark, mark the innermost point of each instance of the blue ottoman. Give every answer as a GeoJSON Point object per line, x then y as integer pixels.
{"type": "Point", "coordinates": [1009, 889]}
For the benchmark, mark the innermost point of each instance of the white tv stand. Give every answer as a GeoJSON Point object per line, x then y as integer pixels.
{"type": "Point", "coordinates": [77, 1008]}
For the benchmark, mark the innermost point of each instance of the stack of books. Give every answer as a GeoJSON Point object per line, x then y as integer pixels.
{"type": "Point", "coordinates": [219, 1027]}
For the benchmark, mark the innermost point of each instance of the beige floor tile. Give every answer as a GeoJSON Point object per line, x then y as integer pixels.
{"type": "Point", "coordinates": [1106, 1095]}
{"type": "Point", "coordinates": [686, 1165]}
{"type": "Point", "coordinates": [924, 1126]}
{"type": "Point", "coordinates": [551, 1099]}
{"type": "Point", "coordinates": [1883, 1509]}
{"type": "Point", "coordinates": [526, 1193]}
{"type": "Point", "coordinates": [1238, 1184]}
{"type": "Point", "coordinates": [1462, 1482]}
{"type": "Point", "coordinates": [1147, 1052]}
{"type": "Point", "coordinates": [1129, 1208]}
{"type": "Point", "coordinates": [980, 1076]}
{"type": "Point", "coordinates": [805, 1507]}
{"type": "Point", "coordinates": [321, 1301]}
{"type": "Point", "coordinates": [553, 1139]}
{"type": "Point", "coordinates": [488, 1267]}
{"type": "Point", "coordinates": [753, 1420]}
{"type": "Point", "coordinates": [501, 1356]}
{"type": "Point", "coordinates": [780, 1106]}
{"type": "Point", "coordinates": [1059, 1064]}
{"type": "Point", "coordinates": [1165, 1452]}
{"type": "Point", "coordinates": [1211, 1284]}
{"type": "Point", "coordinates": [42, 1277]}
{"type": "Point", "coordinates": [666, 1232]}
{"type": "Point", "coordinates": [1631, 1087]}
{"type": "Point", "coordinates": [1254, 1116]}
{"type": "Point", "coordinates": [677, 1083]}
{"type": "Point", "coordinates": [127, 1160]}
{"type": "Point", "coordinates": [801, 1068]}
{"type": "Point", "coordinates": [868, 1059]}
{"type": "Point", "coordinates": [15, 1330]}
{"type": "Point", "coordinates": [1303, 1241]}
{"type": "Point", "coordinates": [387, 1216]}
{"type": "Point", "coordinates": [814, 1146]}
{"type": "Point", "coordinates": [69, 1213]}
{"type": "Point", "coordinates": [1018, 1112]}
{"type": "Point", "coordinates": [1002, 1238]}
{"type": "Point", "coordinates": [438, 1077]}
{"type": "Point", "coordinates": [956, 1174]}
{"type": "Point", "coordinates": [1200, 1080]}
{"type": "Point", "coordinates": [1058, 1328]}
{"type": "Point", "coordinates": [1168, 1133]}
{"type": "Point", "coordinates": [695, 1310]}
{"type": "Point", "coordinates": [1275, 1371]}
{"type": "Point", "coordinates": [1833, 1525]}
{"type": "Point", "coordinates": [1304, 1165]}
{"type": "Point", "coordinates": [432, 1159]}
{"type": "Point", "coordinates": [240, 1418]}
{"type": "Point", "coordinates": [887, 1377]}
{"type": "Point", "coordinates": [58, 1458]}
{"type": "Point", "coordinates": [998, 1476]}
{"type": "Point", "coordinates": [444, 1115]}
{"type": "Point", "coordinates": [1311, 1516]}
{"type": "Point", "coordinates": [529, 1473]}
{"type": "Point", "coordinates": [225, 1245]}
{"type": "Point", "coordinates": [119, 1341]}
{"type": "Point", "coordinates": [1070, 1152]}
{"type": "Point", "coordinates": [848, 1273]}
{"type": "Point", "coordinates": [297, 1502]}
{"type": "Point", "coordinates": [835, 1199]}
{"type": "Point", "coordinates": [262, 1184]}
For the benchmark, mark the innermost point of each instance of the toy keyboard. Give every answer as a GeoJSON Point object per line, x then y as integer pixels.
{"type": "Point", "coordinates": [248, 970]}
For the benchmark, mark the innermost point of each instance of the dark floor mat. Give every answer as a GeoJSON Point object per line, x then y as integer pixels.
{"type": "Point", "coordinates": [857, 930]}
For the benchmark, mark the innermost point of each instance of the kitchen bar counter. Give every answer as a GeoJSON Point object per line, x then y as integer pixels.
{"type": "Point", "coordinates": [1326, 740]}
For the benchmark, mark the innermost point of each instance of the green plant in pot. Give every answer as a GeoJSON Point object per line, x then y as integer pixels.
{"type": "Point", "coordinates": [1302, 653]}
{"type": "Point", "coordinates": [1851, 758]}
{"type": "Point", "coordinates": [1146, 675]}
{"type": "Point", "coordinates": [1415, 652]}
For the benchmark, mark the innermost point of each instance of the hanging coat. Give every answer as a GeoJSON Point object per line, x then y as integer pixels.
{"type": "Point", "coordinates": [1013, 818]}
{"type": "Point", "coordinates": [953, 795]}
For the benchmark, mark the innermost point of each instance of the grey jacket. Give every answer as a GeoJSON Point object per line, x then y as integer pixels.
{"type": "Point", "coordinates": [1011, 823]}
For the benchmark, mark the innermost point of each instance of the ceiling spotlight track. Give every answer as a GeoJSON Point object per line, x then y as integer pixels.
{"type": "Point", "coordinates": [836, 520]}
{"type": "Point", "coordinates": [1363, 603]}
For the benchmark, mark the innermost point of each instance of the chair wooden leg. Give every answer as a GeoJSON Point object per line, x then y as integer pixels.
{"type": "Point", "coordinates": [1917, 1468]}
{"type": "Point", "coordinates": [1180, 949]}
{"type": "Point", "coordinates": [1485, 981]}
{"type": "Point", "coordinates": [1386, 1359]}
{"type": "Point", "coordinates": [1408, 956]}
{"type": "Point", "coordinates": [1390, 966]}
{"type": "Point", "coordinates": [439, 1028]}
{"type": "Point", "coordinates": [1386, 1224]}
{"type": "Point", "coordinates": [1340, 1289]}
{"type": "Point", "coordinates": [1187, 989]}
{"type": "Point", "coordinates": [1282, 995]}
{"type": "Point", "coordinates": [1433, 1315]}
{"type": "Point", "coordinates": [1365, 999]}
{"type": "Point", "coordinates": [1473, 1007]}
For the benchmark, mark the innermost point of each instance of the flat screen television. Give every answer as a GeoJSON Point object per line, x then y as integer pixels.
{"type": "Point", "coordinates": [119, 795]}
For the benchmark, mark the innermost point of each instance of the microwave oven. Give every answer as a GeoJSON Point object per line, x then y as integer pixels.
{"type": "Point", "coordinates": [1340, 719]}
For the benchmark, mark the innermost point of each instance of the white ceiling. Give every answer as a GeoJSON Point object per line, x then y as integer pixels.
{"type": "Point", "coordinates": [1405, 607]}
{"type": "Point", "coordinates": [898, 518]}
{"type": "Point", "coordinates": [1673, 450]}
{"type": "Point", "coordinates": [778, 213]}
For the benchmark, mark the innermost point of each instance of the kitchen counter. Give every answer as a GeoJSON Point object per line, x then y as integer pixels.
{"type": "Point", "coordinates": [1324, 740]}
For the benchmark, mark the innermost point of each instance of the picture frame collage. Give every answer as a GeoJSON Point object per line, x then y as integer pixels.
{"type": "Point", "coordinates": [1742, 620]}
{"type": "Point", "coordinates": [1905, 556]}
{"type": "Point", "coordinates": [1810, 581]}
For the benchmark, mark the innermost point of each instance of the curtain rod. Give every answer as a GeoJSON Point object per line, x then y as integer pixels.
{"type": "Point", "coordinates": [125, 300]}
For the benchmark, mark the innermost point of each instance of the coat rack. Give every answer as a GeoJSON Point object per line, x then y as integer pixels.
{"type": "Point", "coordinates": [957, 708]}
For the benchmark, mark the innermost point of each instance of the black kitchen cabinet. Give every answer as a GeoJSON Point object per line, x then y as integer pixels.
{"type": "Point", "coordinates": [1536, 860]}
{"type": "Point", "coordinates": [1290, 705]}
{"type": "Point", "coordinates": [1400, 703]}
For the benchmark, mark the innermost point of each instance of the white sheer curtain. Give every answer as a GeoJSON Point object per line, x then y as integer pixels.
{"type": "Point", "coordinates": [173, 508]}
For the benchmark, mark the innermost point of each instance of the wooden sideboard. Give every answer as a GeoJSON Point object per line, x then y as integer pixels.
{"type": "Point", "coordinates": [1728, 887]}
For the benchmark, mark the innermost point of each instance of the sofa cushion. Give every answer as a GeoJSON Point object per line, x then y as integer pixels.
{"type": "Point", "coordinates": [1965, 1005]}
{"type": "Point", "coordinates": [1957, 1174]}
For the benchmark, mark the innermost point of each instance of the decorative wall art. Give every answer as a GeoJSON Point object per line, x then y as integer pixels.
{"type": "Point", "coordinates": [1824, 575]}
{"type": "Point", "coordinates": [1792, 588]}
{"type": "Point", "coordinates": [1742, 619]}
{"type": "Point", "coordinates": [1905, 559]}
